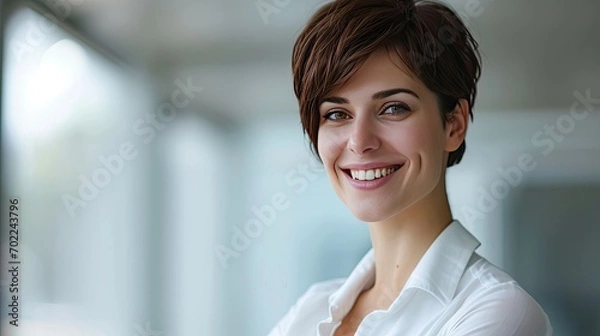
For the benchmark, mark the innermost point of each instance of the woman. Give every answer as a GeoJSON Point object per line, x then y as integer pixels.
{"type": "Point", "coordinates": [386, 89]}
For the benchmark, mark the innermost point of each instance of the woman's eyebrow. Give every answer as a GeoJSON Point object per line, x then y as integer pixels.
{"type": "Point", "coordinates": [376, 96]}
{"type": "Point", "coordinates": [390, 92]}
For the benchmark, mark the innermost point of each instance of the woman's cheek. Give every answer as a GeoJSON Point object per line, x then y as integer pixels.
{"type": "Point", "coordinates": [422, 136]}
{"type": "Point", "coordinates": [407, 140]}
{"type": "Point", "coordinates": [330, 143]}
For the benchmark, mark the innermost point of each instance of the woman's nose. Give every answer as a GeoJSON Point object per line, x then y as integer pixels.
{"type": "Point", "coordinates": [363, 137]}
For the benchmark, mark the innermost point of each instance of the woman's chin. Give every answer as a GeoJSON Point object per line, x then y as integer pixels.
{"type": "Point", "coordinates": [375, 210]}
{"type": "Point", "coordinates": [369, 214]}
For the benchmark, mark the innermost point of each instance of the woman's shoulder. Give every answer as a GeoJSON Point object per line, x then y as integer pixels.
{"type": "Point", "coordinates": [489, 296]}
{"type": "Point", "coordinates": [483, 280]}
{"type": "Point", "coordinates": [505, 309]}
{"type": "Point", "coordinates": [484, 272]}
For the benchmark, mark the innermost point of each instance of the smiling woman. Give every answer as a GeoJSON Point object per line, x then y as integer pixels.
{"type": "Point", "coordinates": [386, 107]}
{"type": "Point", "coordinates": [387, 121]}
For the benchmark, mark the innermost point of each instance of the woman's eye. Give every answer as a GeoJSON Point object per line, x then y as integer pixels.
{"type": "Point", "coordinates": [335, 115]}
{"type": "Point", "coordinates": [396, 109]}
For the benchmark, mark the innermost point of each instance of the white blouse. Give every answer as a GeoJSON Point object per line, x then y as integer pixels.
{"type": "Point", "coordinates": [452, 291]}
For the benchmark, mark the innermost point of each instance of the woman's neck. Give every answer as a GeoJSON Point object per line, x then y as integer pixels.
{"type": "Point", "coordinates": [400, 241]}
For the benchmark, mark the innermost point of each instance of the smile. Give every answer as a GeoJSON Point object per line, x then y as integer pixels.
{"type": "Point", "coordinates": [371, 178]}
{"type": "Point", "coordinates": [372, 174]}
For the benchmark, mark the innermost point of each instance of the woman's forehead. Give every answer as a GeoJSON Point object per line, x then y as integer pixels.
{"type": "Point", "coordinates": [382, 70]}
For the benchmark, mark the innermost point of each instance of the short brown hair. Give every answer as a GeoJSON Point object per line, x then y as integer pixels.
{"type": "Point", "coordinates": [428, 36]}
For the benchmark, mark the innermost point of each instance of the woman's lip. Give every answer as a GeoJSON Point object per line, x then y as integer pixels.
{"type": "Point", "coordinates": [367, 166]}
{"type": "Point", "coordinates": [372, 184]}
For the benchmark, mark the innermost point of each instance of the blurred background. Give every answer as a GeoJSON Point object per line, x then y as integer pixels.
{"type": "Point", "coordinates": [165, 187]}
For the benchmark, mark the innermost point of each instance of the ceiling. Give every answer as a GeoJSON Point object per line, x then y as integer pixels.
{"type": "Point", "coordinates": [536, 53]}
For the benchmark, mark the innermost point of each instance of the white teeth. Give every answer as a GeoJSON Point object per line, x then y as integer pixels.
{"type": "Point", "coordinates": [371, 174]}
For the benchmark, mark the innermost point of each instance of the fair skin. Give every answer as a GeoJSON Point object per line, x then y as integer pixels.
{"type": "Point", "coordinates": [401, 130]}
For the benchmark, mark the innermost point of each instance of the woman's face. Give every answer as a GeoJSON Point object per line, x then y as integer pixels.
{"type": "Point", "coordinates": [382, 141]}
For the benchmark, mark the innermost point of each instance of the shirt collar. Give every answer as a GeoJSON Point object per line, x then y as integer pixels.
{"type": "Point", "coordinates": [443, 264]}
{"type": "Point", "coordinates": [362, 277]}
{"type": "Point", "coordinates": [438, 272]}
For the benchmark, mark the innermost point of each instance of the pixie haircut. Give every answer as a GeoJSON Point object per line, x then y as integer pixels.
{"type": "Point", "coordinates": [428, 37]}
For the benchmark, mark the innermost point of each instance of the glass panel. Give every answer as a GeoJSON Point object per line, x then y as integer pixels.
{"type": "Point", "coordinates": [70, 156]}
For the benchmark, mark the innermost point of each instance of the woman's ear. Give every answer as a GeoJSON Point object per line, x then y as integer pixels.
{"type": "Point", "coordinates": [456, 126]}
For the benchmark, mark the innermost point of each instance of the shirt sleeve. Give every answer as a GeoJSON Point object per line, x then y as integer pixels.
{"type": "Point", "coordinates": [509, 311]}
